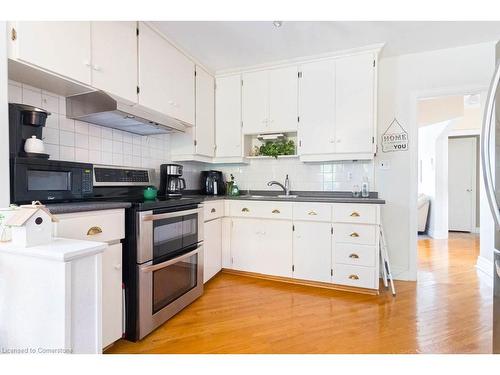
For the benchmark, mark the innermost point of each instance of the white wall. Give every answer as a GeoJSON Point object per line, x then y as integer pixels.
{"type": "Point", "coordinates": [433, 181]}
{"type": "Point", "coordinates": [402, 80]}
{"type": "Point", "coordinates": [4, 119]}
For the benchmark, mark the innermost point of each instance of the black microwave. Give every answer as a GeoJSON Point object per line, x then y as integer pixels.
{"type": "Point", "coordinates": [49, 180]}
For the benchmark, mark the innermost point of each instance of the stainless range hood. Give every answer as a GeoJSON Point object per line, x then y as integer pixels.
{"type": "Point", "coordinates": [100, 108]}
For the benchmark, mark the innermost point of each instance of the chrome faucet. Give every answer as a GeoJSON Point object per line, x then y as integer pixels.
{"type": "Point", "coordinates": [286, 187]}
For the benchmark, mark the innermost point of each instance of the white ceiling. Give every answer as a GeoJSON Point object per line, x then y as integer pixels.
{"type": "Point", "coordinates": [221, 45]}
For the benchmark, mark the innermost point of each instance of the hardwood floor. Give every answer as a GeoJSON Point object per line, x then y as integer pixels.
{"type": "Point", "coordinates": [447, 311]}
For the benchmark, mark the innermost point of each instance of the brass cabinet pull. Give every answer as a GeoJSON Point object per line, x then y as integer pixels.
{"type": "Point", "coordinates": [354, 256]}
{"type": "Point", "coordinates": [276, 211]}
{"type": "Point", "coordinates": [244, 209]}
{"type": "Point", "coordinates": [354, 234]}
{"type": "Point", "coordinates": [212, 210]}
{"type": "Point", "coordinates": [354, 214]}
{"type": "Point", "coordinates": [312, 213]}
{"type": "Point", "coordinates": [354, 277]}
{"type": "Point", "coordinates": [93, 231]}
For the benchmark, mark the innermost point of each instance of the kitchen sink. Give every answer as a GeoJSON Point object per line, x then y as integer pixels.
{"type": "Point", "coordinates": [270, 196]}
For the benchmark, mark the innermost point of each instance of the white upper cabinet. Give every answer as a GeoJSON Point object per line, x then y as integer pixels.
{"type": "Point", "coordinates": [59, 47]}
{"type": "Point", "coordinates": [337, 109]}
{"type": "Point", "coordinates": [270, 101]}
{"type": "Point", "coordinates": [114, 58]}
{"type": "Point", "coordinates": [205, 113]}
{"type": "Point", "coordinates": [228, 117]}
{"type": "Point", "coordinates": [166, 76]}
{"type": "Point", "coordinates": [317, 108]}
{"type": "Point", "coordinates": [255, 99]}
{"type": "Point", "coordinates": [198, 142]}
{"type": "Point", "coordinates": [354, 93]}
{"type": "Point", "coordinates": [283, 100]}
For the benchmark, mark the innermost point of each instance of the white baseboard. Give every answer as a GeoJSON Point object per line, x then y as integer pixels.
{"type": "Point", "coordinates": [485, 266]}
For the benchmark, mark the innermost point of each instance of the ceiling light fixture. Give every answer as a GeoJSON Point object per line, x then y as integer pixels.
{"type": "Point", "coordinates": [277, 24]}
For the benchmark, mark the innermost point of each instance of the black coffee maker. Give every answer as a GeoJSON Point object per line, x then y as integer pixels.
{"type": "Point", "coordinates": [212, 183]}
{"type": "Point", "coordinates": [25, 121]}
{"type": "Point", "coordinates": [171, 182]}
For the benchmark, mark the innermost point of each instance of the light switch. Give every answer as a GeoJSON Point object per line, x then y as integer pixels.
{"type": "Point", "coordinates": [384, 164]}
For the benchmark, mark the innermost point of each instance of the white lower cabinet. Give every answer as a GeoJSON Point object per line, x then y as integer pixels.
{"type": "Point", "coordinates": [103, 226]}
{"type": "Point", "coordinates": [330, 243]}
{"type": "Point", "coordinates": [312, 251]}
{"type": "Point", "coordinates": [262, 246]}
{"type": "Point", "coordinates": [112, 307]}
{"type": "Point", "coordinates": [212, 257]}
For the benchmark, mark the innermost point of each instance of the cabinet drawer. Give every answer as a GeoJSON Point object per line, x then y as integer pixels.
{"type": "Point", "coordinates": [213, 209]}
{"type": "Point", "coordinates": [264, 210]}
{"type": "Point", "coordinates": [103, 226]}
{"type": "Point", "coordinates": [312, 211]}
{"type": "Point", "coordinates": [355, 213]}
{"type": "Point", "coordinates": [357, 276]}
{"type": "Point", "coordinates": [361, 234]}
{"type": "Point", "coordinates": [356, 255]}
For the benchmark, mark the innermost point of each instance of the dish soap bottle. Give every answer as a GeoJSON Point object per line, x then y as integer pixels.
{"type": "Point", "coordinates": [365, 188]}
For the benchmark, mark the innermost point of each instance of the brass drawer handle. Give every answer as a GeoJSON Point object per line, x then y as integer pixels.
{"type": "Point", "coordinates": [93, 231]}
{"type": "Point", "coordinates": [212, 210]}
{"type": "Point", "coordinates": [275, 211]}
{"type": "Point", "coordinates": [355, 214]}
{"type": "Point", "coordinates": [312, 213]}
{"type": "Point", "coordinates": [354, 234]}
{"type": "Point", "coordinates": [354, 277]}
{"type": "Point", "coordinates": [244, 209]}
{"type": "Point", "coordinates": [354, 256]}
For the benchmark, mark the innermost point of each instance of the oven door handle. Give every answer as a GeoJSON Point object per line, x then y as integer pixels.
{"type": "Point", "coordinates": [157, 267]}
{"type": "Point", "coordinates": [170, 215]}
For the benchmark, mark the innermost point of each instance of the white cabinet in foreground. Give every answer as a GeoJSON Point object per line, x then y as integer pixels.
{"type": "Point", "coordinates": [104, 226]}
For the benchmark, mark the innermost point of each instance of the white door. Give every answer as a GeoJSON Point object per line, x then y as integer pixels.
{"type": "Point", "coordinates": [312, 251]}
{"type": "Point", "coordinates": [212, 246]}
{"type": "Point", "coordinates": [114, 58]}
{"type": "Point", "coordinates": [166, 76]}
{"type": "Point", "coordinates": [354, 108]}
{"type": "Point", "coordinates": [255, 102]}
{"type": "Point", "coordinates": [228, 116]}
{"type": "Point", "coordinates": [112, 308]}
{"type": "Point", "coordinates": [61, 47]}
{"type": "Point", "coordinates": [317, 108]}
{"type": "Point", "coordinates": [283, 99]}
{"type": "Point", "coordinates": [462, 184]}
{"type": "Point", "coordinates": [205, 107]}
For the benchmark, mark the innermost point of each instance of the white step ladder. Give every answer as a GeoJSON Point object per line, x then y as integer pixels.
{"type": "Point", "coordinates": [386, 266]}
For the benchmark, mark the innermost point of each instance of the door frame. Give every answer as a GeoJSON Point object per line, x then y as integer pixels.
{"type": "Point", "coordinates": [474, 226]}
{"type": "Point", "coordinates": [415, 96]}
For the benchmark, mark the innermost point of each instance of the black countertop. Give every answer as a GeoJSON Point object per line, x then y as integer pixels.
{"type": "Point", "coordinates": [65, 208]}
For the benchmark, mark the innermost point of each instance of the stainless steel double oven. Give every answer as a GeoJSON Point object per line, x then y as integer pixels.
{"type": "Point", "coordinates": [169, 266]}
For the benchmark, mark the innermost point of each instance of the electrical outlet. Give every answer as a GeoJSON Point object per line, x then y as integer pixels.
{"type": "Point", "coordinates": [349, 176]}
{"type": "Point", "coordinates": [384, 164]}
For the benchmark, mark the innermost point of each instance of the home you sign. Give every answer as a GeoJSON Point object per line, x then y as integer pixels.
{"type": "Point", "coordinates": [395, 138]}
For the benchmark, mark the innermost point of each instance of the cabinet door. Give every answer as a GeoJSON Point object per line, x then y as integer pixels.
{"type": "Point", "coordinates": [354, 124]}
{"type": "Point", "coordinates": [112, 304]}
{"type": "Point", "coordinates": [166, 76]}
{"type": "Point", "coordinates": [262, 246]}
{"type": "Point", "coordinates": [228, 116]}
{"type": "Point", "coordinates": [212, 246]}
{"type": "Point", "coordinates": [312, 249]}
{"type": "Point", "coordinates": [114, 58]}
{"type": "Point", "coordinates": [283, 99]}
{"type": "Point", "coordinates": [255, 102]}
{"type": "Point", "coordinates": [205, 107]}
{"type": "Point", "coordinates": [60, 47]}
{"type": "Point", "coordinates": [317, 108]}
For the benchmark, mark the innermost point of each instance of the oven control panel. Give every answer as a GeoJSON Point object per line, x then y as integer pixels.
{"type": "Point", "coordinates": [121, 176]}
